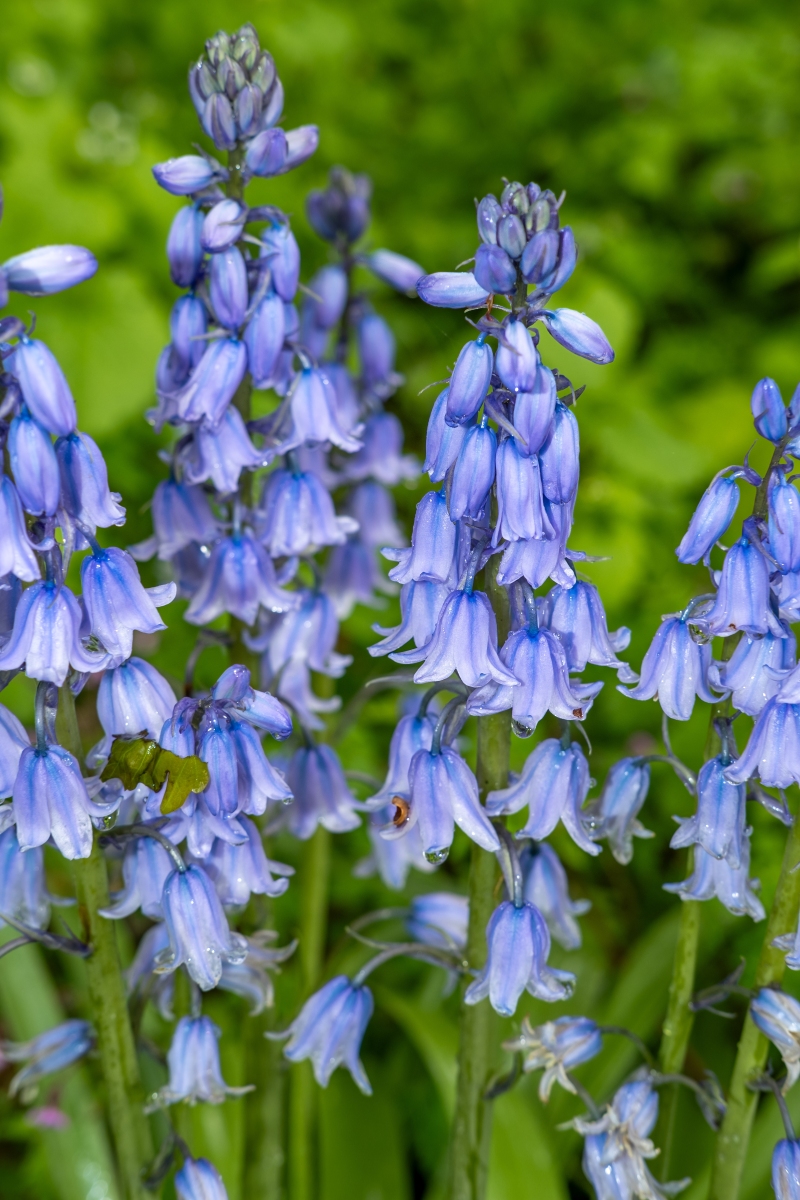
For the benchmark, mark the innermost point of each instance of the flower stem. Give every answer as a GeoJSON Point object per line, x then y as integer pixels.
{"type": "Point", "coordinates": [106, 987]}
{"type": "Point", "coordinates": [733, 1137]}
{"type": "Point", "coordinates": [471, 1133]}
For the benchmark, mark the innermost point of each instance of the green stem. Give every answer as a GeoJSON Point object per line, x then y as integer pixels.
{"type": "Point", "coordinates": [264, 1111]}
{"type": "Point", "coordinates": [751, 1056]}
{"type": "Point", "coordinates": [470, 1139]}
{"type": "Point", "coordinates": [107, 998]}
{"type": "Point", "coordinates": [314, 873]}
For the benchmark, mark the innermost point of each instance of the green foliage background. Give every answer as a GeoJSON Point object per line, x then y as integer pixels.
{"type": "Point", "coordinates": [674, 128]}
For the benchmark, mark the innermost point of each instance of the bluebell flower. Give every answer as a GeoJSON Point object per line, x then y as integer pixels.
{"type": "Point", "coordinates": [328, 296]}
{"type": "Point", "coordinates": [218, 121]}
{"type": "Point", "coordinates": [578, 333]}
{"type": "Point", "coordinates": [145, 867]}
{"type": "Point", "coordinates": [618, 1146]}
{"type": "Point", "coordinates": [412, 733]}
{"type": "Point", "coordinates": [420, 606]}
{"type": "Point", "coordinates": [296, 515]}
{"type": "Point", "coordinates": [51, 801]}
{"type": "Point", "coordinates": [251, 979]}
{"type": "Point", "coordinates": [517, 357]}
{"type": "Point", "coordinates": [187, 174]}
{"type": "Point", "coordinates": [44, 386]}
{"type": "Point", "coordinates": [536, 659]}
{"type": "Point", "coordinates": [556, 1047]}
{"type": "Point", "coordinates": [16, 553]}
{"type": "Point", "coordinates": [473, 474]}
{"type": "Point", "coordinates": [395, 269]}
{"type": "Point", "coordinates": [372, 507]}
{"type": "Point", "coordinates": [711, 518]}
{"type": "Point", "coordinates": [439, 919]}
{"type": "Point", "coordinates": [778, 1017]}
{"type": "Point", "coordinates": [10, 592]}
{"type": "Point", "coordinates": [329, 1030]}
{"type": "Point", "coordinates": [381, 455]}
{"type": "Point", "coordinates": [391, 858]}
{"type": "Point", "coordinates": [376, 351]}
{"type": "Point", "coordinates": [264, 338]}
{"type": "Point", "coordinates": [117, 603]}
{"type": "Point", "coordinates": [213, 382]}
{"type": "Point", "coordinates": [301, 143]}
{"type": "Point", "coordinates": [188, 323]}
{"type": "Point", "coordinates": [241, 777]}
{"type": "Point", "coordinates": [134, 698]}
{"type": "Point", "coordinates": [518, 943]}
{"type": "Point", "coordinates": [432, 555]}
{"type": "Point", "coordinates": [576, 615]}
{"type": "Point", "coordinates": [348, 416]}
{"type": "Point", "coordinates": [221, 453]}
{"type": "Point", "coordinates": [772, 752]}
{"type": "Point", "coordinates": [743, 598]}
{"type": "Point", "coordinates": [494, 271]}
{"type": "Point", "coordinates": [786, 1170]}
{"type": "Point", "coordinates": [535, 408]}
{"type": "Point", "coordinates": [342, 209]}
{"type": "Point", "coordinates": [85, 495]}
{"type": "Point", "coordinates": [768, 409]}
{"type": "Point", "coordinates": [34, 465]}
{"type": "Point", "coordinates": [469, 382]}
{"type": "Point", "coordinates": [256, 707]}
{"type": "Point", "coordinates": [451, 289]}
{"type": "Point", "coordinates": [716, 877]}
{"type": "Point", "coordinates": [787, 589]}
{"type": "Point", "coordinates": [181, 515]}
{"type": "Point", "coordinates": [489, 212]}
{"type": "Point", "coordinates": [228, 287]}
{"type": "Point", "coordinates": [51, 1051]}
{"type": "Point", "coordinates": [464, 641]}
{"type": "Point", "coordinates": [242, 869]}
{"type": "Point", "coordinates": [198, 1179]}
{"type": "Point", "coordinates": [559, 457]}
{"type": "Point", "coordinates": [194, 1068]}
{"type": "Point", "coordinates": [674, 671]}
{"type": "Point", "coordinates": [48, 269]}
{"type": "Point", "coordinates": [46, 637]}
{"type": "Point", "coordinates": [280, 248]}
{"type": "Point", "coordinates": [754, 671]}
{"type": "Point", "coordinates": [266, 153]}
{"type": "Point", "coordinates": [615, 814]}
{"type": "Point", "coordinates": [553, 784]}
{"type": "Point", "coordinates": [784, 522]}
{"type": "Point", "coordinates": [239, 579]}
{"type": "Point", "coordinates": [521, 513]}
{"type": "Point", "coordinates": [719, 823]}
{"type": "Point", "coordinates": [790, 942]}
{"type": "Point", "coordinates": [321, 793]}
{"type": "Point", "coordinates": [199, 937]}
{"type": "Point", "coordinates": [314, 412]}
{"type": "Point", "coordinates": [222, 225]}
{"type": "Point", "coordinates": [536, 560]}
{"type": "Point", "coordinates": [352, 576]}
{"type": "Point", "coordinates": [22, 884]}
{"type": "Point", "coordinates": [549, 259]}
{"type": "Point", "coordinates": [307, 633]}
{"type": "Point", "coordinates": [443, 441]}
{"type": "Point", "coordinates": [546, 888]}
{"type": "Point", "coordinates": [140, 975]}
{"type": "Point", "coordinates": [442, 793]}
{"type": "Point", "coordinates": [184, 251]}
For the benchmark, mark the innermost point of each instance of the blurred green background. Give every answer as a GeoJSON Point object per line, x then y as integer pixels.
{"type": "Point", "coordinates": [674, 129]}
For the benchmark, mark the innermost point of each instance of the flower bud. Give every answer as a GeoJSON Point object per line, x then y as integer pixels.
{"type": "Point", "coordinates": [213, 382]}
{"type": "Point", "coordinates": [473, 475]}
{"type": "Point", "coordinates": [494, 270]}
{"type": "Point", "coordinates": [44, 386]}
{"type": "Point", "coordinates": [451, 289]}
{"type": "Point", "coordinates": [469, 382]}
{"type": "Point", "coordinates": [443, 441]}
{"type": "Point", "coordinates": [228, 287]}
{"type": "Point", "coordinates": [395, 269]}
{"type": "Point", "coordinates": [711, 518]}
{"type": "Point", "coordinates": [247, 110]}
{"type": "Point", "coordinates": [281, 249]}
{"type": "Point", "coordinates": [49, 269]}
{"type": "Point", "coordinates": [34, 465]}
{"type": "Point", "coordinates": [264, 337]}
{"type": "Point", "coordinates": [578, 333]}
{"type": "Point", "coordinates": [187, 174]}
{"type": "Point", "coordinates": [517, 358]}
{"type": "Point", "coordinates": [218, 122]}
{"type": "Point", "coordinates": [273, 107]}
{"type": "Point", "coordinates": [376, 348]}
{"type": "Point", "coordinates": [489, 213]}
{"type": "Point", "coordinates": [511, 235]}
{"type": "Point", "coordinates": [222, 226]}
{"type": "Point", "coordinates": [329, 296]}
{"type": "Point", "coordinates": [559, 457]}
{"type": "Point", "coordinates": [198, 1179]}
{"type": "Point", "coordinates": [769, 413]}
{"type": "Point", "coordinates": [301, 143]}
{"type": "Point", "coordinates": [266, 153]}
{"type": "Point", "coordinates": [184, 250]}
{"type": "Point", "coordinates": [540, 256]}
{"type": "Point", "coordinates": [534, 409]}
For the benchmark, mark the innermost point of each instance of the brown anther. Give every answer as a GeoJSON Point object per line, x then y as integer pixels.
{"type": "Point", "coordinates": [401, 811]}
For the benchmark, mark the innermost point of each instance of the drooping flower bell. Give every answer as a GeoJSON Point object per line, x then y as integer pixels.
{"type": "Point", "coordinates": [777, 1015]}
{"type": "Point", "coordinates": [675, 670]}
{"type": "Point", "coordinates": [518, 942]}
{"type": "Point", "coordinates": [199, 936]}
{"type": "Point", "coordinates": [556, 1047]}
{"type": "Point", "coordinates": [194, 1069]}
{"type": "Point", "coordinates": [329, 1031]}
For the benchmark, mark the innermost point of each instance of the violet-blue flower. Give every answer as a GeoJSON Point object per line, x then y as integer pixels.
{"type": "Point", "coordinates": [559, 457]}
{"type": "Point", "coordinates": [535, 408]}
{"type": "Point", "coordinates": [194, 1068]}
{"type": "Point", "coordinates": [51, 801]}
{"type": "Point", "coordinates": [451, 289]}
{"type": "Point", "coordinates": [266, 153]}
{"type": "Point", "coordinates": [674, 670]}
{"type": "Point", "coordinates": [494, 271]}
{"type": "Point", "coordinates": [329, 1031]}
{"type": "Point", "coordinates": [239, 579]}
{"type": "Point", "coordinates": [187, 174]}
{"type": "Point", "coordinates": [719, 823]}
{"type": "Point", "coordinates": [743, 597]}
{"type": "Point", "coordinates": [50, 1051]}
{"type": "Point", "coordinates": [222, 225]}
{"type": "Point", "coordinates": [784, 523]}
{"type": "Point", "coordinates": [242, 869]}
{"type": "Point", "coordinates": [314, 412]}
{"type": "Point", "coordinates": [85, 494]}
{"type": "Point", "coordinates": [754, 671]}
{"type": "Point", "coordinates": [443, 793]}
{"type": "Point", "coordinates": [474, 471]}
{"type": "Point", "coordinates": [264, 338]}
{"type": "Point", "coordinates": [469, 382]}
{"type": "Point", "coordinates": [553, 785]}
{"type": "Point", "coordinates": [395, 269]}
{"type": "Point", "coordinates": [412, 733]}
{"type": "Point", "coordinates": [576, 615]}
{"type": "Point", "coordinates": [615, 813]}
{"type": "Point", "coordinates": [321, 793]}
{"type": "Point", "coordinates": [297, 516]}
{"type": "Point", "coordinates": [381, 455]}
{"type": "Point", "coordinates": [198, 1179]}
{"type": "Point", "coordinates": [517, 357]}
{"type": "Point", "coordinates": [556, 1047]}
{"type": "Point", "coordinates": [228, 287]}
{"type": "Point", "coordinates": [181, 515]}
{"type": "Point", "coordinates": [716, 877]}
{"type": "Point", "coordinates": [16, 553]}
{"type": "Point", "coordinates": [134, 698]}
{"type": "Point", "coordinates": [518, 943]}
{"type": "Point", "coordinates": [464, 641]}
{"type": "Point", "coordinates": [145, 868]}
{"type": "Point", "coordinates": [546, 887]}
{"type": "Point", "coordinates": [786, 1170]}
{"type": "Point", "coordinates": [711, 518]}
{"type": "Point", "coordinates": [44, 386]}
{"type": "Point", "coordinates": [184, 251]}
{"type": "Point", "coordinates": [48, 269]}
{"type": "Point", "coordinates": [46, 637]}
{"type": "Point", "coordinates": [280, 248]}
{"type": "Point", "coordinates": [188, 323]}
{"type": "Point", "coordinates": [578, 333]}
{"type": "Point", "coordinates": [116, 602]}
{"type": "Point", "coordinates": [768, 409]}
{"type": "Point", "coordinates": [521, 513]}
{"type": "Point", "coordinates": [777, 1015]}
{"type": "Point", "coordinates": [199, 937]}
{"type": "Point", "coordinates": [376, 351]}
{"type": "Point", "coordinates": [420, 606]}
{"type": "Point", "coordinates": [443, 441]}
{"type": "Point", "coordinates": [213, 382]}
{"type": "Point", "coordinates": [22, 884]}
{"type": "Point", "coordinates": [439, 919]}
{"type": "Point", "coordinates": [34, 465]}
{"type": "Point", "coordinates": [432, 555]}
{"type": "Point", "coordinates": [222, 452]}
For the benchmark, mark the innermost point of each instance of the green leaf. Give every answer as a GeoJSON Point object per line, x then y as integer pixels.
{"type": "Point", "coordinates": [138, 760]}
{"type": "Point", "coordinates": [361, 1147]}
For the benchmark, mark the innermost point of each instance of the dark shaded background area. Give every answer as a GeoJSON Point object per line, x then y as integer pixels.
{"type": "Point", "coordinates": [673, 127]}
